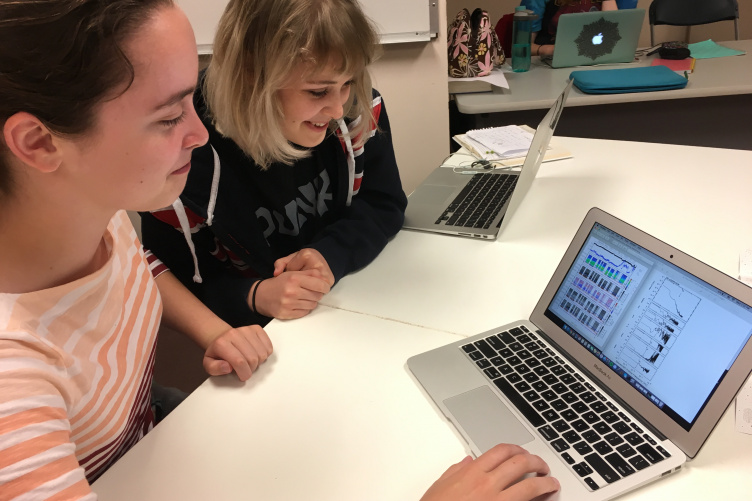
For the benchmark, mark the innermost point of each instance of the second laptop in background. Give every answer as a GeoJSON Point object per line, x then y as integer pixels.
{"type": "Point", "coordinates": [480, 204]}
{"type": "Point", "coordinates": [588, 38]}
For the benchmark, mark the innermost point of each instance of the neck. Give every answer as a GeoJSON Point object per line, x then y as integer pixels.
{"type": "Point", "coordinates": [48, 244]}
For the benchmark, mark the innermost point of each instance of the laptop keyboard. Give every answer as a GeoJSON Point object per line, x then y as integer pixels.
{"type": "Point", "coordinates": [598, 441]}
{"type": "Point", "coordinates": [480, 201]}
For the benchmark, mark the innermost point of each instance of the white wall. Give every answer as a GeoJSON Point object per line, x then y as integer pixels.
{"type": "Point", "coordinates": [412, 78]}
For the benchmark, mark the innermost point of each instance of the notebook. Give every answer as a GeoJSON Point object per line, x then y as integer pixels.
{"type": "Point", "coordinates": [605, 37]}
{"type": "Point", "coordinates": [626, 364]}
{"type": "Point", "coordinates": [480, 203]}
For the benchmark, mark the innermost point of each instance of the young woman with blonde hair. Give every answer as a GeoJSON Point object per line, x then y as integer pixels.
{"type": "Point", "coordinates": [298, 185]}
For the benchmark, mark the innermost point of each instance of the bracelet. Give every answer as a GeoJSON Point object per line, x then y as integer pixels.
{"type": "Point", "coordinates": [253, 296]}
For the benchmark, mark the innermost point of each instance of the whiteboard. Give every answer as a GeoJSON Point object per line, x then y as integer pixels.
{"type": "Point", "coordinates": [396, 20]}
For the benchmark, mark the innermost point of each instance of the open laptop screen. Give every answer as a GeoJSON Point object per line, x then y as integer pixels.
{"type": "Point", "coordinates": [670, 335]}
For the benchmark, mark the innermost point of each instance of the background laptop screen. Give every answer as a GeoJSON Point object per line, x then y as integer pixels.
{"type": "Point", "coordinates": [669, 334]}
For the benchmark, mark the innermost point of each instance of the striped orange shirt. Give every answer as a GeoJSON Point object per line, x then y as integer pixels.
{"type": "Point", "coordinates": [76, 366]}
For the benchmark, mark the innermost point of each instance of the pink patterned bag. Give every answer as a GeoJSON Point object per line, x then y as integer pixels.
{"type": "Point", "coordinates": [473, 46]}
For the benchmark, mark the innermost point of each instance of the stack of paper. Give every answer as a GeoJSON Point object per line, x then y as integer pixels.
{"type": "Point", "coordinates": [498, 143]}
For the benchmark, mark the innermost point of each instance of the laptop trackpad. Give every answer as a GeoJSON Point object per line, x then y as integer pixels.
{"type": "Point", "coordinates": [431, 194]}
{"type": "Point", "coordinates": [486, 420]}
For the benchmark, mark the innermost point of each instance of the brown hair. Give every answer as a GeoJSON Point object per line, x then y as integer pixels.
{"type": "Point", "coordinates": [258, 45]}
{"type": "Point", "coordinates": [60, 58]}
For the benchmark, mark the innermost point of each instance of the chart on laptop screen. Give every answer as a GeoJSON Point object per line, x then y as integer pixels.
{"type": "Point", "coordinates": [669, 334]}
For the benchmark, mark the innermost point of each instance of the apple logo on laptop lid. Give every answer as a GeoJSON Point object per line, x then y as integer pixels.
{"type": "Point", "coordinates": [597, 39]}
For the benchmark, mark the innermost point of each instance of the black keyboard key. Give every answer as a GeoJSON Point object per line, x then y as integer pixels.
{"type": "Point", "coordinates": [559, 404]}
{"type": "Point", "coordinates": [492, 373]}
{"type": "Point", "coordinates": [582, 469]}
{"type": "Point", "coordinates": [514, 360]}
{"type": "Point", "coordinates": [614, 439]}
{"type": "Point", "coordinates": [485, 348]}
{"type": "Point", "coordinates": [530, 377]}
{"type": "Point", "coordinates": [516, 346]}
{"type": "Point", "coordinates": [468, 348]}
{"type": "Point", "coordinates": [475, 355]}
{"type": "Point", "coordinates": [514, 377]}
{"type": "Point", "coordinates": [567, 379]}
{"type": "Point", "coordinates": [559, 388]}
{"type": "Point", "coordinates": [522, 386]}
{"type": "Point", "coordinates": [619, 464]}
{"type": "Point", "coordinates": [583, 448]}
{"type": "Point", "coordinates": [550, 378]}
{"type": "Point", "coordinates": [516, 331]}
{"type": "Point", "coordinates": [506, 353]}
{"type": "Point", "coordinates": [626, 450]}
{"type": "Point", "coordinates": [598, 406]}
{"type": "Point", "coordinates": [541, 371]}
{"type": "Point", "coordinates": [497, 361]}
{"type": "Point", "coordinates": [496, 343]}
{"type": "Point", "coordinates": [590, 436]}
{"type": "Point", "coordinates": [530, 414]}
{"type": "Point", "coordinates": [548, 433]}
{"type": "Point", "coordinates": [532, 362]}
{"type": "Point", "coordinates": [567, 457]}
{"type": "Point", "coordinates": [649, 439]}
{"type": "Point", "coordinates": [571, 436]}
{"type": "Point", "coordinates": [523, 354]}
{"type": "Point", "coordinates": [506, 337]}
{"type": "Point", "coordinates": [603, 448]}
{"type": "Point", "coordinates": [522, 369]}
{"type": "Point", "coordinates": [651, 454]}
{"type": "Point", "coordinates": [550, 414]}
{"type": "Point", "coordinates": [587, 397]}
{"type": "Point", "coordinates": [569, 397]}
{"type": "Point", "coordinates": [601, 428]}
{"type": "Point", "coordinates": [505, 369]}
{"type": "Point", "coordinates": [602, 468]}
{"type": "Point", "coordinates": [621, 427]}
{"type": "Point", "coordinates": [560, 445]}
{"type": "Point", "coordinates": [637, 428]}
{"type": "Point", "coordinates": [633, 438]}
{"type": "Point", "coordinates": [580, 407]}
{"type": "Point", "coordinates": [577, 388]}
{"type": "Point", "coordinates": [539, 386]}
{"type": "Point", "coordinates": [639, 462]}
{"type": "Point", "coordinates": [591, 483]}
{"type": "Point", "coordinates": [579, 425]}
{"type": "Point", "coordinates": [560, 425]}
{"type": "Point", "coordinates": [541, 405]}
{"type": "Point", "coordinates": [569, 414]}
{"type": "Point", "coordinates": [549, 395]}
{"type": "Point", "coordinates": [609, 417]}
{"type": "Point", "coordinates": [531, 395]}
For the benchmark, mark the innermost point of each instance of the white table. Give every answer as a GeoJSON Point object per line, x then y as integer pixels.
{"type": "Point", "coordinates": [712, 110]}
{"type": "Point", "coordinates": [335, 415]}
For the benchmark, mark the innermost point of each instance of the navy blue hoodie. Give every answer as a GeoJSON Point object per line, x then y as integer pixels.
{"type": "Point", "coordinates": [346, 203]}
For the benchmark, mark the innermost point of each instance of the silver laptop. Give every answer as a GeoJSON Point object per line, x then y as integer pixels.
{"type": "Point", "coordinates": [597, 38]}
{"type": "Point", "coordinates": [479, 205]}
{"type": "Point", "coordinates": [628, 361]}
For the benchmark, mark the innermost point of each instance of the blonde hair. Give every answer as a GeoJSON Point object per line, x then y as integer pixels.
{"type": "Point", "coordinates": [258, 45]}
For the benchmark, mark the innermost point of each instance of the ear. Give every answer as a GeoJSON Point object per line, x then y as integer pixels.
{"type": "Point", "coordinates": [32, 142]}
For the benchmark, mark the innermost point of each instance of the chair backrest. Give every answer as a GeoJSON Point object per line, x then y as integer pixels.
{"type": "Point", "coordinates": [692, 12]}
{"type": "Point", "coordinates": [503, 30]}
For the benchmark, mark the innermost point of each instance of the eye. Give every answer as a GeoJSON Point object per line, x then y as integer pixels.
{"type": "Point", "coordinates": [174, 121]}
{"type": "Point", "coordinates": [319, 93]}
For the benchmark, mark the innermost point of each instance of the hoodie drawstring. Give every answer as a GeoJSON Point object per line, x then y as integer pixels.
{"type": "Point", "coordinates": [350, 159]}
{"type": "Point", "coordinates": [185, 225]}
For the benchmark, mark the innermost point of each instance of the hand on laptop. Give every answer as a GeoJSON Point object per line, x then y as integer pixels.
{"type": "Point", "coordinates": [494, 475]}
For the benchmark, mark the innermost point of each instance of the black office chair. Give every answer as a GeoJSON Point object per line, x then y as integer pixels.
{"type": "Point", "coordinates": [692, 12]}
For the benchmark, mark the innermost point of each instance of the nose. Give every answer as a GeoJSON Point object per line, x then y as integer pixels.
{"type": "Point", "coordinates": [196, 134]}
{"type": "Point", "coordinates": [335, 105]}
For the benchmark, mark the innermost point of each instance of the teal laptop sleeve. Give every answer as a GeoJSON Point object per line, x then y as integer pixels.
{"type": "Point", "coordinates": [622, 80]}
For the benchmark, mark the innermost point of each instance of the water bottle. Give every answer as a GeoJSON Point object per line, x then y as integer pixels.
{"type": "Point", "coordinates": [521, 32]}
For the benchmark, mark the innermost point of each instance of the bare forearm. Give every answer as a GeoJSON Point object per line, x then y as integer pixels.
{"type": "Point", "coordinates": [185, 313]}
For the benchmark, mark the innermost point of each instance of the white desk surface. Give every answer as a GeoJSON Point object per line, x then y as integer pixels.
{"type": "Point", "coordinates": [539, 87]}
{"type": "Point", "coordinates": [335, 415]}
{"type": "Point", "coordinates": [696, 199]}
